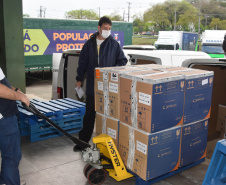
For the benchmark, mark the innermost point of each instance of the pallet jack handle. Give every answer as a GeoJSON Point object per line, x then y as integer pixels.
{"type": "Point", "coordinates": [36, 112]}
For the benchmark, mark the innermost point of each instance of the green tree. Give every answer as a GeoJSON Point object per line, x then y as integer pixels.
{"type": "Point", "coordinates": [26, 15]}
{"type": "Point", "coordinates": [138, 22]}
{"type": "Point", "coordinates": [158, 15]}
{"type": "Point", "coordinates": [210, 9]}
{"type": "Point", "coordinates": [188, 16]}
{"type": "Point", "coordinates": [135, 29]}
{"type": "Point", "coordinates": [82, 14]}
{"type": "Point", "coordinates": [222, 25]}
{"type": "Point", "coordinates": [115, 16]}
{"type": "Point", "coordinates": [215, 23]}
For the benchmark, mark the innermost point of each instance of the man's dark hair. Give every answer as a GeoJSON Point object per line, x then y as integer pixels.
{"type": "Point", "coordinates": [224, 44]}
{"type": "Point", "coordinates": [104, 20]}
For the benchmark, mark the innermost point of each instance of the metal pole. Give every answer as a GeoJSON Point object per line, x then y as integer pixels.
{"type": "Point", "coordinates": [40, 11]}
{"type": "Point", "coordinates": [99, 12]}
{"type": "Point", "coordinates": [199, 15]}
{"type": "Point", "coordinates": [128, 10]}
{"type": "Point", "coordinates": [175, 19]}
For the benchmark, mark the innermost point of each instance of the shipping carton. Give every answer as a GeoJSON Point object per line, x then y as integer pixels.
{"type": "Point", "coordinates": [126, 88]}
{"type": "Point", "coordinates": [101, 88]}
{"type": "Point", "coordinates": [198, 94]}
{"type": "Point", "coordinates": [107, 125]}
{"type": "Point", "coordinates": [221, 119]}
{"type": "Point", "coordinates": [149, 155]}
{"type": "Point", "coordinates": [152, 102]}
{"type": "Point", "coordinates": [107, 92]}
{"type": "Point", "coordinates": [193, 142]}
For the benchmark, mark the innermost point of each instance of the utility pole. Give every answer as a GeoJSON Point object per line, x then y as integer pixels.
{"type": "Point", "coordinates": [128, 10]}
{"type": "Point", "coordinates": [41, 11]}
{"type": "Point", "coordinates": [123, 15]}
{"type": "Point", "coordinates": [44, 12]}
{"type": "Point", "coordinates": [199, 15]}
{"type": "Point", "coordinates": [99, 12]}
{"type": "Point", "coordinates": [175, 19]}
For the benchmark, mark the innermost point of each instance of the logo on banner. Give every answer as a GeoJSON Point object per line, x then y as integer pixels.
{"type": "Point", "coordinates": [35, 42]}
{"type": "Point", "coordinates": [116, 36]}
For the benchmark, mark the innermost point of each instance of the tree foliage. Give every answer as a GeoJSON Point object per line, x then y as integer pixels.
{"type": "Point", "coordinates": [26, 15]}
{"type": "Point", "coordinates": [218, 24]}
{"type": "Point", "coordinates": [82, 14]}
{"type": "Point", "coordinates": [115, 16]}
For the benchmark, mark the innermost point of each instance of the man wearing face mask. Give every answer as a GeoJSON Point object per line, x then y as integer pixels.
{"type": "Point", "coordinates": [101, 50]}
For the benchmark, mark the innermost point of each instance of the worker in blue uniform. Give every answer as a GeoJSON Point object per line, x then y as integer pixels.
{"type": "Point", "coordinates": [10, 145]}
{"type": "Point", "coordinates": [101, 50]}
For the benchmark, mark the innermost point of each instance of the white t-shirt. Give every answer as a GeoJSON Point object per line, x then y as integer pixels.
{"type": "Point", "coordinates": [1, 74]}
{"type": "Point", "coordinates": [99, 42]}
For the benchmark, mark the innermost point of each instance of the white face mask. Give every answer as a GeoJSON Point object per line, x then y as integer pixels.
{"type": "Point", "coordinates": [105, 33]}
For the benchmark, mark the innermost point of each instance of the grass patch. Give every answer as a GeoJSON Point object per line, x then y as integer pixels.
{"type": "Point", "coordinates": [143, 41]}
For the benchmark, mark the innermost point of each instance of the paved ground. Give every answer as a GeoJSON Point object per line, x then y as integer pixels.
{"type": "Point", "coordinates": [53, 162]}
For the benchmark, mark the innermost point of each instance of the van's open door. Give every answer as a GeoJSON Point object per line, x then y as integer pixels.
{"type": "Point", "coordinates": [218, 66]}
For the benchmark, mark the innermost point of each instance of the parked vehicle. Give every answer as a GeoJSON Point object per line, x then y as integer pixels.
{"type": "Point", "coordinates": [177, 40]}
{"type": "Point", "coordinates": [212, 41]}
{"type": "Point", "coordinates": [65, 87]}
{"type": "Point", "coordinates": [218, 66]}
{"type": "Point", "coordinates": [169, 58]}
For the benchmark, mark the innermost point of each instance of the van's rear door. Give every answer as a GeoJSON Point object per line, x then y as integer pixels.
{"type": "Point", "coordinates": [70, 73]}
{"type": "Point", "coordinates": [218, 66]}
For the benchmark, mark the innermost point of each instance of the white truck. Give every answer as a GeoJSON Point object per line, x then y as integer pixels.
{"type": "Point", "coordinates": [212, 41]}
{"type": "Point", "coordinates": [177, 40]}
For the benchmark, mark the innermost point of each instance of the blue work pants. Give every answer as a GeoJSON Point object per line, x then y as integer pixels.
{"type": "Point", "coordinates": [10, 146]}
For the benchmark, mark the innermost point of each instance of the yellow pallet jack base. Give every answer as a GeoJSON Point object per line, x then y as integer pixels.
{"type": "Point", "coordinates": [107, 148]}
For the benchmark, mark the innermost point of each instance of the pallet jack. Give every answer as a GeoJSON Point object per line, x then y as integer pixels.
{"type": "Point", "coordinates": [102, 157]}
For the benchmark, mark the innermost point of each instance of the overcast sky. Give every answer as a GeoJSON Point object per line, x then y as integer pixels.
{"type": "Point", "coordinates": [57, 8]}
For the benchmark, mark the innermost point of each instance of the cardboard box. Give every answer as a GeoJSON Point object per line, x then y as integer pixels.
{"type": "Point", "coordinates": [101, 89]}
{"type": "Point", "coordinates": [149, 155]}
{"type": "Point", "coordinates": [221, 118]}
{"type": "Point", "coordinates": [107, 92]}
{"type": "Point", "coordinates": [107, 125]}
{"type": "Point", "coordinates": [198, 94]}
{"type": "Point", "coordinates": [152, 102]}
{"type": "Point", "coordinates": [193, 142]}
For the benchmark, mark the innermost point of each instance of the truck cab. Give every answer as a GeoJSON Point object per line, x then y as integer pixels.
{"type": "Point", "coordinates": [212, 41]}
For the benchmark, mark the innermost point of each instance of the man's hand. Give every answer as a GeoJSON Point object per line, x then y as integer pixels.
{"type": "Point", "coordinates": [23, 98]}
{"type": "Point", "coordinates": [78, 84]}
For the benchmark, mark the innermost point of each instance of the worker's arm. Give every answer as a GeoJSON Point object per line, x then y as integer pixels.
{"type": "Point", "coordinates": [7, 93]}
{"type": "Point", "coordinates": [82, 65]}
{"type": "Point", "coordinates": [121, 59]}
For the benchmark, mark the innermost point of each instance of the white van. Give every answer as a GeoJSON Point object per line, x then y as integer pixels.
{"type": "Point", "coordinates": [69, 63]}
{"type": "Point", "coordinates": [137, 49]}
{"type": "Point", "coordinates": [165, 57]}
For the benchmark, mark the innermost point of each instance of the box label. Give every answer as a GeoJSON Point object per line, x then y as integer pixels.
{"type": "Point", "coordinates": [145, 98]}
{"type": "Point", "coordinates": [114, 77]}
{"type": "Point", "coordinates": [113, 87]}
{"type": "Point", "coordinates": [100, 86]}
{"type": "Point", "coordinates": [97, 73]}
{"type": "Point", "coordinates": [204, 82]}
{"type": "Point", "coordinates": [105, 76]}
{"type": "Point", "coordinates": [142, 147]}
{"type": "Point", "coordinates": [111, 132]}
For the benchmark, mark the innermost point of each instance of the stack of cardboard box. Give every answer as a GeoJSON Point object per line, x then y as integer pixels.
{"type": "Point", "coordinates": [149, 104]}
